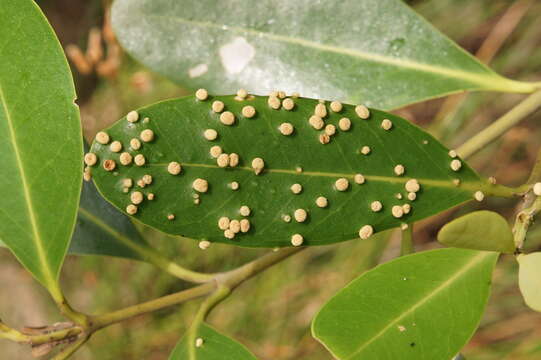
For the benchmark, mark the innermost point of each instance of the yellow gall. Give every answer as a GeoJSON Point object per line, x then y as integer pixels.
{"type": "Point", "coordinates": [386, 124]}
{"type": "Point", "coordinates": [234, 185]}
{"type": "Point", "coordinates": [150, 196]}
{"type": "Point", "coordinates": [397, 211]}
{"type": "Point", "coordinates": [227, 118]}
{"type": "Point", "coordinates": [244, 225]}
{"type": "Point", "coordinates": [320, 110]}
{"type": "Point", "coordinates": [341, 184]}
{"type": "Point", "coordinates": [296, 188]}
{"type": "Point", "coordinates": [330, 130]}
{"type": "Point", "coordinates": [127, 182]}
{"type": "Point", "coordinates": [300, 215]}
{"type": "Point", "coordinates": [147, 135]}
{"type": "Point", "coordinates": [365, 150]}
{"type": "Point", "coordinates": [90, 159]}
{"type": "Point", "coordinates": [87, 174]}
{"type": "Point", "coordinates": [242, 93]}
{"type": "Point", "coordinates": [297, 240]}
{"type": "Point", "coordinates": [286, 129]}
{"type": "Point", "coordinates": [344, 124]}
{"type": "Point", "coordinates": [223, 223]}
{"type": "Point", "coordinates": [362, 111]}
{"type": "Point", "coordinates": [147, 179]}
{"type": "Point", "coordinates": [132, 116]}
{"type": "Point", "coordinates": [234, 226]}
{"type": "Point", "coordinates": [200, 185]}
{"type": "Point", "coordinates": [139, 160]}
{"type": "Point", "coordinates": [136, 197]}
{"type": "Point", "coordinates": [115, 146]}
{"type": "Point", "coordinates": [274, 102]}
{"type": "Point", "coordinates": [203, 245]}
{"type": "Point", "coordinates": [376, 206]}
{"type": "Point", "coordinates": [229, 234]}
{"type": "Point", "coordinates": [174, 168]}
{"type": "Point", "coordinates": [102, 137]}
{"type": "Point", "coordinates": [109, 165]}
{"type": "Point", "coordinates": [210, 134]}
{"type": "Point", "coordinates": [215, 151]}
{"type": "Point", "coordinates": [412, 185]}
{"type": "Point", "coordinates": [406, 208]}
{"type": "Point", "coordinates": [245, 210]}
{"type": "Point", "coordinates": [366, 231]}
{"type": "Point", "coordinates": [222, 160]}
{"type": "Point", "coordinates": [412, 196]}
{"type": "Point", "coordinates": [316, 122]}
{"type": "Point", "coordinates": [141, 183]}
{"type": "Point", "coordinates": [359, 179]}
{"type": "Point", "coordinates": [286, 218]}
{"type": "Point", "coordinates": [218, 106]}
{"type": "Point", "coordinates": [131, 209]}
{"type": "Point", "coordinates": [453, 153]}
{"type": "Point", "coordinates": [322, 202]}
{"type": "Point", "coordinates": [281, 94]}
{"type": "Point", "coordinates": [248, 111]}
{"type": "Point", "coordinates": [336, 106]}
{"type": "Point", "coordinates": [171, 217]}
{"type": "Point", "coordinates": [288, 104]}
{"type": "Point", "coordinates": [202, 94]}
{"type": "Point", "coordinates": [399, 170]}
{"type": "Point", "coordinates": [233, 159]}
{"type": "Point", "coordinates": [135, 144]}
{"type": "Point", "coordinates": [125, 158]}
{"type": "Point", "coordinates": [479, 195]}
{"type": "Point", "coordinates": [258, 165]}
{"type": "Point", "coordinates": [537, 189]}
{"type": "Point", "coordinates": [456, 165]}
{"type": "Point", "coordinates": [324, 138]}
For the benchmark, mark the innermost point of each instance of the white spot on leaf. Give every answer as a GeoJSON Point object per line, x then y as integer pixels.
{"type": "Point", "coordinates": [236, 55]}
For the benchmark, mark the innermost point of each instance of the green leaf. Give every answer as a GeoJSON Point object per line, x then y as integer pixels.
{"type": "Point", "coordinates": [42, 143]}
{"type": "Point", "coordinates": [379, 52]}
{"type": "Point", "coordinates": [421, 306]}
{"type": "Point", "coordinates": [102, 229]}
{"type": "Point", "coordinates": [215, 346]}
{"type": "Point", "coordinates": [178, 127]}
{"type": "Point", "coordinates": [479, 230]}
{"type": "Point", "coordinates": [529, 280]}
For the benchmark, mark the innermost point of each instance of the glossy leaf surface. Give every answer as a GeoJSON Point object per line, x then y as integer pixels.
{"type": "Point", "coordinates": [529, 279]}
{"type": "Point", "coordinates": [215, 346]}
{"type": "Point", "coordinates": [479, 230]}
{"type": "Point", "coordinates": [41, 142]}
{"type": "Point", "coordinates": [421, 307]}
{"type": "Point", "coordinates": [179, 125]}
{"type": "Point", "coordinates": [379, 52]}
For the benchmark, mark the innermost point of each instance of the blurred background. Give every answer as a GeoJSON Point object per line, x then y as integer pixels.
{"type": "Point", "coordinates": [271, 313]}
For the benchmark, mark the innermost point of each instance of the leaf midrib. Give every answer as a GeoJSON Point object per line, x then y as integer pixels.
{"type": "Point", "coordinates": [490, 80]}
{"type": "Point", "coordinates": [461, 271]}
{"type": "Point", "coordinates": [389, 179]}
{"type": "Point", "coordinates": [38, 241]}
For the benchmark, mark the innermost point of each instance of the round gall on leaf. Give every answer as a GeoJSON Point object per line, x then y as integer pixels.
{"type": "Point", "coordinates": [210, 134]}
{"type": "Point", "coordinates": [248, 111]}
{"type": "Point", "coordinates": [537, 189]}
{"type": "Point", "coordinates": [227, 118]}
{"type": "Point", "coordinates": [316, 122]}
{"type": "Point", "coordinates": [132, 116]}
{"type": "Point", "coordinates": [203, 245]}
{"type": "Point", "coordinates": [366, 231]}
{"type": "Point", "coordinates": [147, 135]}
{"type": "Point", "coordinates": [300, 215]}
{"type": "Point", "coordinates": [297, 240]}
{"type": "Point", "coordinates": [135, 144]}
{"type": "Point", "coordinates": [115, 146]}
{"type": "Point", "coordinates": [344, 124]}
{"type": "Point", "coordinates": [341, 184]}
{"type": "Point", "coordinates": [131, 209]}
{"type": "Point", "coordinates": [201, 94]}
{"type": "Point", "coordinates": [139, 160]}
{"type": "Point", "coordinates": [109, 165]}
{"type": "Point", "coordinates": [200, 185]}
{"type": "Point", "coordinates": [125, 158]}
{"type": "Point", "coordinates": [218, 106]}
{"type": "Point", "coordinates": [322, 202]}
{"type": "Point", "coordinates": [362, 112]}
{"type": "Point", "coordinates": [258, 164]}
{"type": "Point", "coordinates": [288, 104]}
{"type": "Point", "coordinates": [102, 137]}
{"type": "Point", "coordinates": [90, 159]}
{"type": "Point", "coordinates": [174, 168]}
{"type": "Point", "coordinates": [286, 129]}
{"type": "Point", "coordinates": [215, 151]}
{"type": "Point", "coordinates": [336, 106]}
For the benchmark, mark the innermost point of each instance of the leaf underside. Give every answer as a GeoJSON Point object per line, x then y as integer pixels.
{"type": "Point", "coordinates": [528, 279]}
{"type": "Point", "coordinates": [178, 127]}
{"type": "Point", "coordinates": [379, 52]}
{"type": "Point", "coordinates": [420, 307]}
{"type": "Point", "coordinates": [215, 346]}
{"type": "Point", "coordinates": [41, 142]}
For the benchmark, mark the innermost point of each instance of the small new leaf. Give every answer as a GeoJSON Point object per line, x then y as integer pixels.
{"type": "Point", "coordinates": [479, 230]}
{"type": "Point", "coordinates": [529, 280]}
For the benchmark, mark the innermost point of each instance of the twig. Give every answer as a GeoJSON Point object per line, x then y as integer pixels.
{"type": "Point", "coordinates": [500, 126]}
